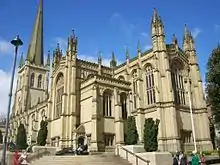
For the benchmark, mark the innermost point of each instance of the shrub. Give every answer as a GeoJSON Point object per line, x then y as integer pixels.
{"type": "Point", "coordinates": [1, 137]}
{"type": "Point", "coordinates": [42, 134]}
{"type": "Point", "coordinates": [131, 134]}
{"type": "Point", "coordinates": [21, 140]}
{"type": "Point", "coordinates": [150, 135]}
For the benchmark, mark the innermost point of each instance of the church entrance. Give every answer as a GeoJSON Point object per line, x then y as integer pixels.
{"type": "Point", "coordinates": [81, 140]}
{"type": "Point", "coordinates": [79, 136]}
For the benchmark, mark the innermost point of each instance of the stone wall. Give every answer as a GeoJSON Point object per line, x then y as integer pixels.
{"type": "Point", "coordinates": [136, 155]}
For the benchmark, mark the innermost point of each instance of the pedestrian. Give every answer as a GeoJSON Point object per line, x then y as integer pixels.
{"type": "Point", "coordinates": [23, 158]}
{"type": "Point", "coordinates": [176, 158]}
{"type": "Point", "coordinates": [202, 159]}
{"type": "Point", "coordinates": [16, 157]}
{"type": "Point", "coordinates": [195, 158]}
{"type": "Point", "coordinates": [182, 159]}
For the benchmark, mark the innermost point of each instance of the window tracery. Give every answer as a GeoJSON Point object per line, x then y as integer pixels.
{"type": "Point", "coordinates": [32, 80]}
{"type": "Point", "coordinates": [107, 103]}
{"type": "Point", "coordinates": [150, 85]}
{"type": "Point", "coordinates": [178, 84]}
{"type": "Point", "coordinates": [123, 100]}
{"type": "Point", "coordinates": [186, 136]}
{"type": "Point", "coordinates": [59, 95]}
{"type": "Point", "coordinates": [109, 140]}
{"type": "Point", "coordinates": [39, 81]}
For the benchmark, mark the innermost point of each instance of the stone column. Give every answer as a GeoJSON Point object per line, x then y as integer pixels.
{"type": "Point", "coordinates": [49, 114]}
{"type": "Point", "coordinates": [25, 89]}
{"type": "Point", "coordinates": [51, 108]}
{"type": "Point", "coordinates": [101, 124]}
{"type": "Point", "coordinates": [128, 104]}
{"type": "Point", "coordinates": [74, 140]}
{"type": "Point", "coordinates": [119, 128]}
{"type": "Point", "coordinates": [72, 127]}
{"type": "Point", "coordinates": [202, 126]}
{"type": "Point", "coordinates": [94, 118]}
{"type": "Point", "coordinates": [63, 137]}
{"type": "Point", "coordinates": [72, 101]}
{"type": "Point", "coordinates": [68, 134]}
{"type": "Point", "coordinates": [140, 102]}
{"type": "Point", "coordinates": [108, 106]}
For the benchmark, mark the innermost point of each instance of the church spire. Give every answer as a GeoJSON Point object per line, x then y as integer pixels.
{"type": "Point", "coordinates": [21, 62]}
{"type": "Point", "coordinates": [35, 50]}
{"type": "Point", "coordinates": [113, 62]}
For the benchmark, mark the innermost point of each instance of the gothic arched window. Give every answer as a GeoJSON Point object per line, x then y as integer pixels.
{"type": "Point", "coordinates": [107, 103]}
{"type": "Point", "coordinates": [32, 80]}
{"type": "Point", "coordinates": [123, 99]}
{"type": "Point", "coordinates": [150, 85]}
{"type": "Point", "coordinates": [178, 85]}
{"type": "Point", "coordinates": [39, 81]}
{"type": "Point", "coordinates": [59, 95]}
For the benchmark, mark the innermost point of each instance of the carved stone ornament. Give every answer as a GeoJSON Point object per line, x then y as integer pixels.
{"type": "Point", "coordinates": [95, 86]}
{"type": "Point", "coordinates": [19, 104]}
{"type": "Point", "coordinates": [60, 80]}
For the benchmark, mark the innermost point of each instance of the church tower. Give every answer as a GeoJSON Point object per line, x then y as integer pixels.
{"type": "Point", "coordinates": [33, 74]}
{"type": "Point", "coordinates": [164, 94]}
{"type": "Point", "coordinates": [202, 133]}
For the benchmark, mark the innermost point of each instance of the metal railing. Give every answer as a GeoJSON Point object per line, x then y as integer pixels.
{"type": "Point", "coordinates": [133, 154]}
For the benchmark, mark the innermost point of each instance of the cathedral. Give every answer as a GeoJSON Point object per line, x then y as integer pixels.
{"type": "Point", "coordinates": [89, 102]}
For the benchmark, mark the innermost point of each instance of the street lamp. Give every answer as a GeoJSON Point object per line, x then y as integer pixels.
{"type": "Point", "coordinates": [16, 42]}
{"type": "Point", "coordinates": [191, 112]}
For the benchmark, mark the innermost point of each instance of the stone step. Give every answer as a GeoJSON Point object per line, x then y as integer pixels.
{"type": "Point", "coordinates": [90, 163]}
{"type": "Point", "coordinates": [107, 159]}
{"type": "Point", "coordinates": [82, 158]}
{"type": "Point", "coordinates": [84, 161]}
{"type": "Point", "coordinates": [87, 162]}
{"type": "Point", "coordinates": [75, 163]}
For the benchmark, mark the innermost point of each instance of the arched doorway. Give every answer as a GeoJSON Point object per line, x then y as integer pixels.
{"type": "Point", "coordinates": [79, 136]}
{"type": "Point", "coordinates": [81, 141]}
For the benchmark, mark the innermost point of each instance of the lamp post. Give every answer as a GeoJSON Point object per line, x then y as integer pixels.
{"type": "Point", "coordinates": [16, 42]}
{"type": "Point", "coordinates": [191, 112]}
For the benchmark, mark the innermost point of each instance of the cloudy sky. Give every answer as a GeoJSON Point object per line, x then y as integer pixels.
{"type": "Point", "coordinates": [106, 26]}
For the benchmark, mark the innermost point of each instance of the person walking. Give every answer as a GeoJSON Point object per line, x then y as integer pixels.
{"type": "Point", "coordinates": [195, 158]}
{"type": "Point", "coordinates": [182, 159]}
{"type": "Point", "coordinates": [16, 157]}
{"type": "Point", "coordinates": [23, 158]}
{"type": "Point", "coordinates": [176, 158]}
{"type": "Point", "coordinates": [202, 159]}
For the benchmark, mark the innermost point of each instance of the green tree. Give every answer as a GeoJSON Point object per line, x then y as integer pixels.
{"type": "Point", "coordinates": [131, 137]}
{"type": "Point", "coordinates": [150, 134]}
{"type": "Point", "coordinates": [1, 137]}
{"type": "Point", "coordinates": [212, 132]}
{"type": "Point", "coordinates": [42, 133]}
{"type": "Point", "coordinates": [213, 84]}
{"type": "Point", "coordinates": [21, 140]}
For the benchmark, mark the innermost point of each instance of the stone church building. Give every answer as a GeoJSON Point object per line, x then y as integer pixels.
{"type": "Point", "coordinates": [91, 102]}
